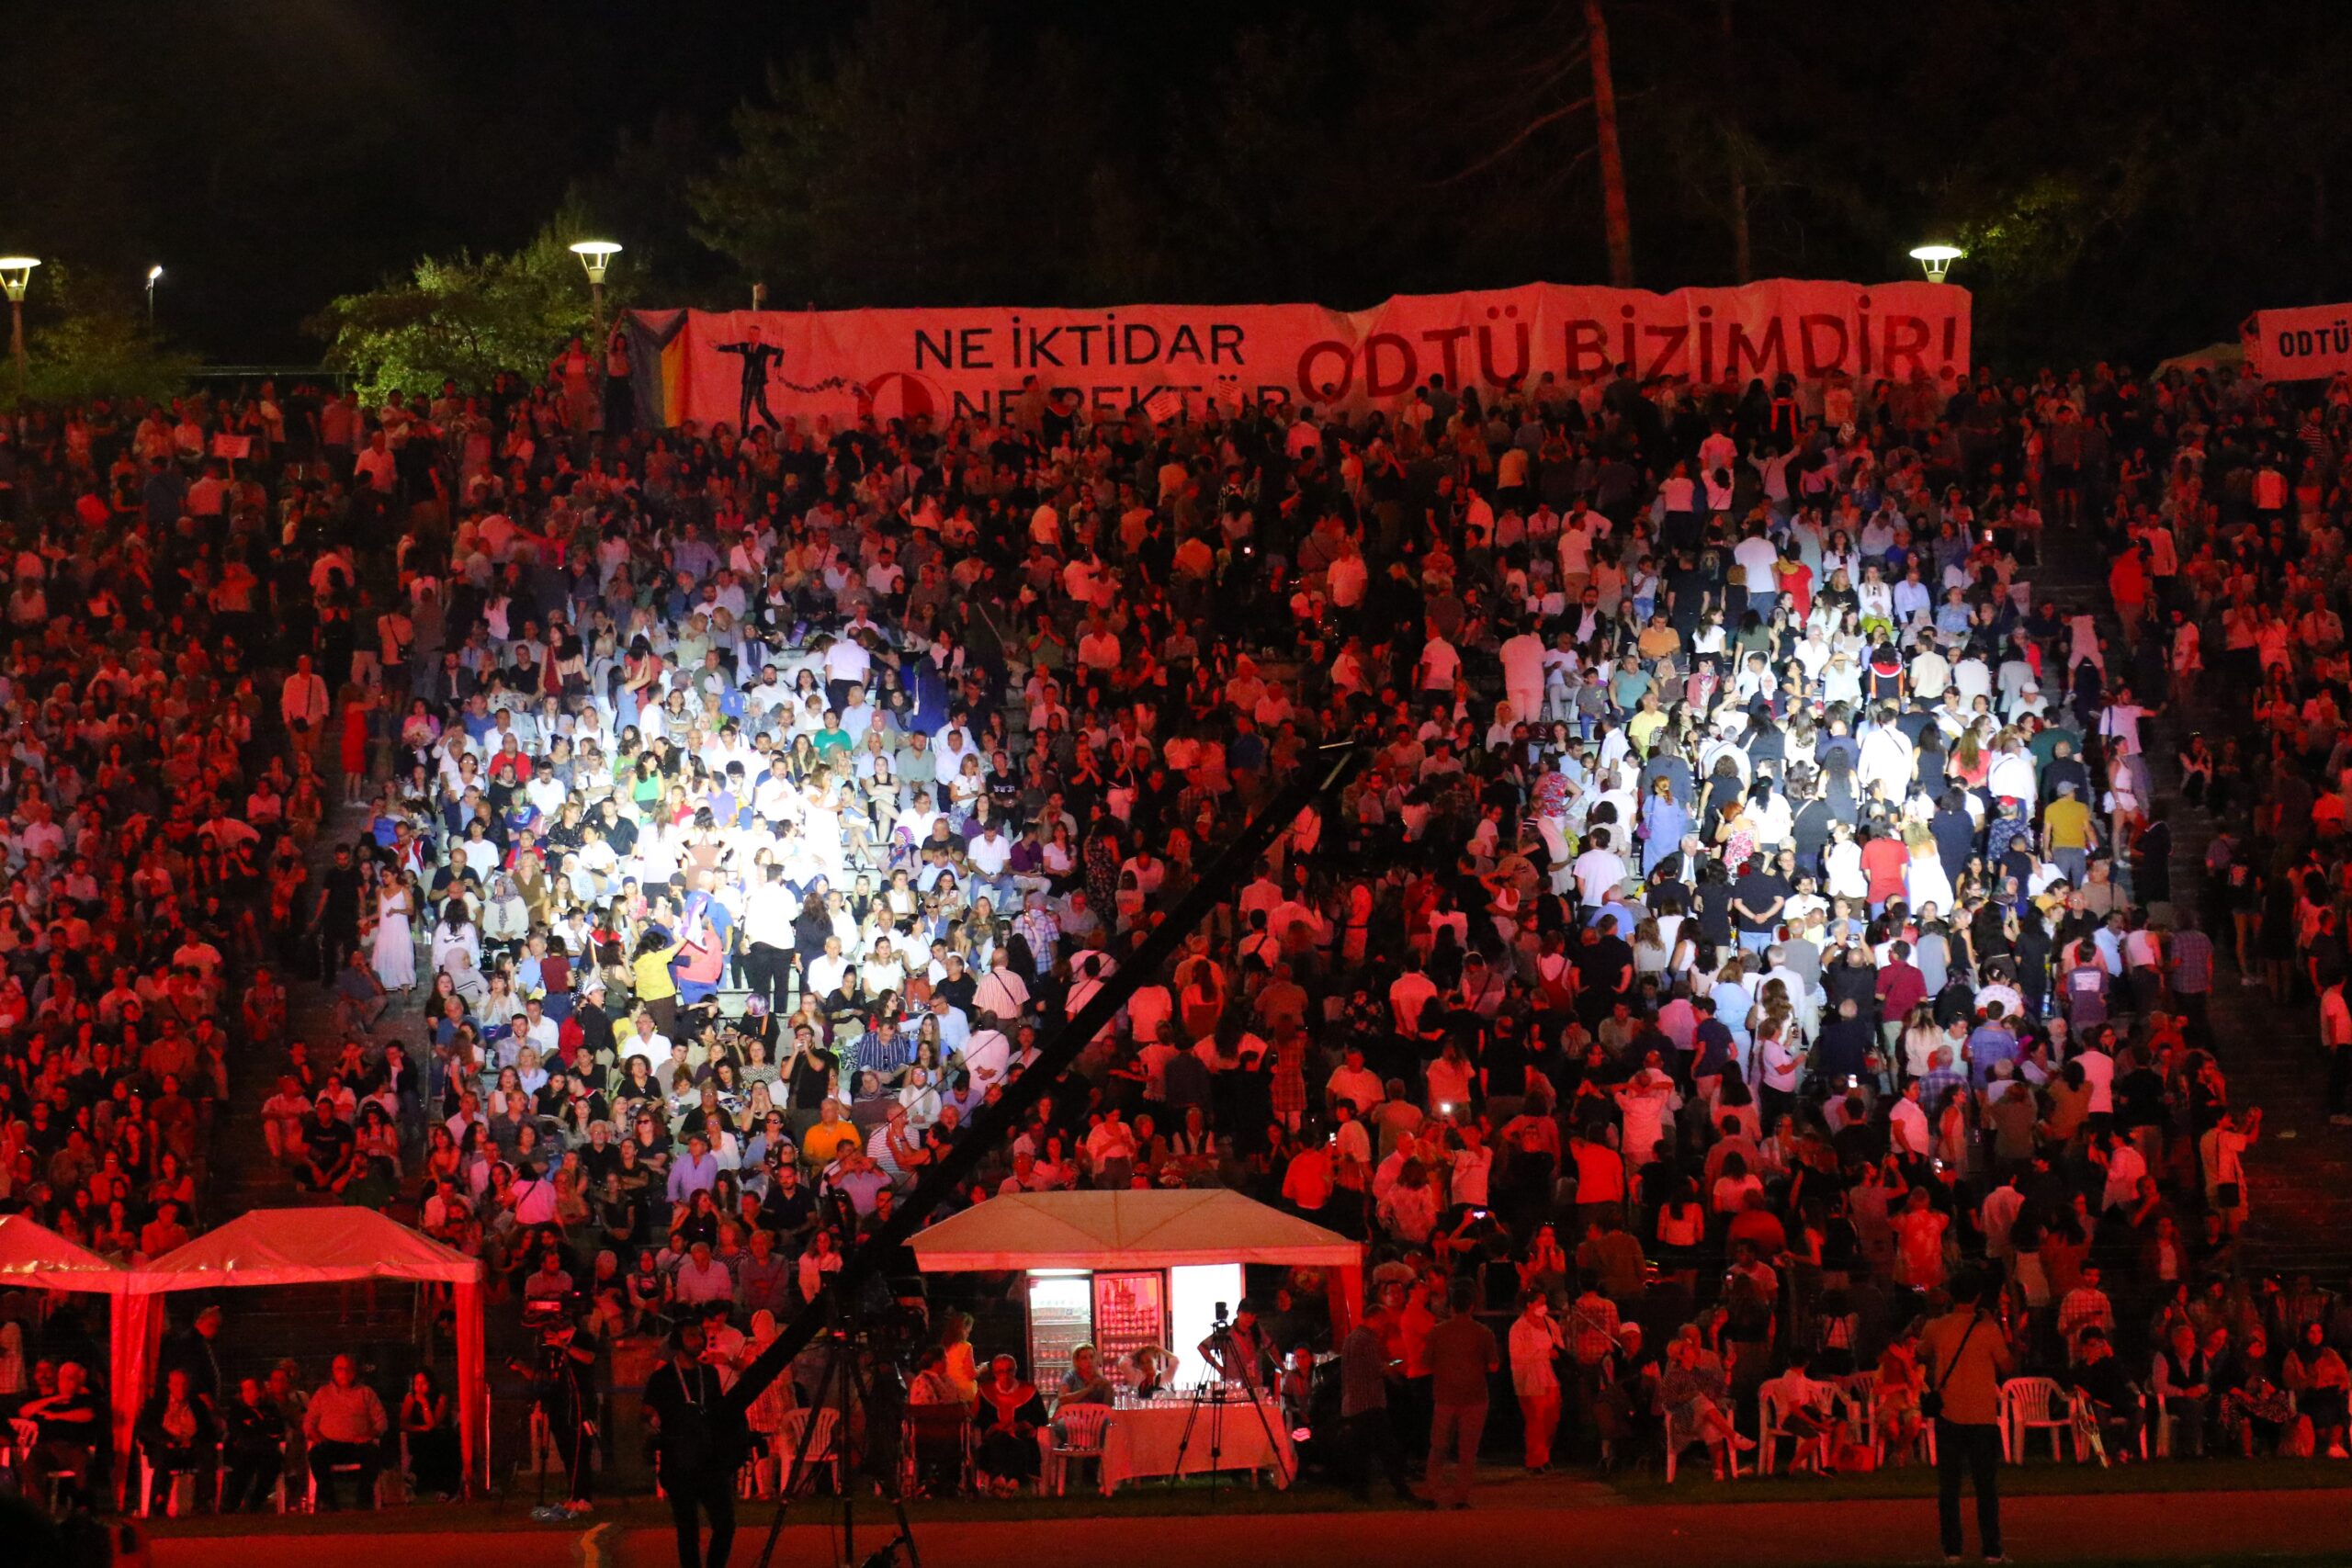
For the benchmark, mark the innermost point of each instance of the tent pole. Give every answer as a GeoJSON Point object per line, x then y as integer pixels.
{"type": "Point", "coordinates": [1330, 767]}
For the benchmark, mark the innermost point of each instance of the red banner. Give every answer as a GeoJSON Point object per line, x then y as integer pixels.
{"type": "Point", "coordinates": [2301, 345]}
{"type": "Point", "coordinates": [713, 367]}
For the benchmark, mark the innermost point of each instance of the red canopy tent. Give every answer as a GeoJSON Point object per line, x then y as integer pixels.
{"type": "Point", "coordinates": [33, 1256]}
{"type": "Point", "coordinates": [326, 1246]}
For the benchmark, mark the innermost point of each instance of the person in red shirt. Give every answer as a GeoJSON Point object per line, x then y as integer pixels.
{"type": "Point", "coordinates": [1883, 859]}
{"type": "Point", "coordinates": [1901, 988]}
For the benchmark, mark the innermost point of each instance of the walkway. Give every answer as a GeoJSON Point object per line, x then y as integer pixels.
{"type": "Point", "coordinates": [2205, 1528]}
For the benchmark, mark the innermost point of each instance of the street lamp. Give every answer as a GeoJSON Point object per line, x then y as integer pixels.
{"type": "Point", "coordinates": [595, 255]}
{"type": "Point", "coordinates": [15, 272]}
{"type": "Point", "coordinates": [1936, 259]}
{"type": "Point", "coordinates": [154, 273]}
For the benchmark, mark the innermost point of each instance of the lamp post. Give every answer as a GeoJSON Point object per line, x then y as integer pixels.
{"type": "Point", "coordinates": [595, 255]}
{"type": "Point", "coordinates": [1936, 258]}
{"type": "Point", "coordinates": [15, 272]}
{"type": "Point", "coordinates": [154, 275]}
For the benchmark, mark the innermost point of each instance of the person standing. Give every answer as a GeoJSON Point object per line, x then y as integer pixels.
{"type": "Point", "coordinates": [1967, 1356]}
{"type": "Point", "coordinates": [336, 917]}
{"type": "Point", "coordinates": [1364, 1373]}
{"type": "Point", "coordinates": [1462, 1354]}
{"type": "Point", "coordinates": [2335, 1042]}
{"type": "Point", "coordinates": [564, 1384]}
{"type": "Point", "coordinates": [698, 1447]}
{"type": "Point", "coordinates": [1534, 1374]}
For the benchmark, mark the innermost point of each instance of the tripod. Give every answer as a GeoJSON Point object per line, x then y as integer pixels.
{"type": "Point", "coordinates": [840, 1386]}
{"type": "Point", "coordinates": [1213, 1395]}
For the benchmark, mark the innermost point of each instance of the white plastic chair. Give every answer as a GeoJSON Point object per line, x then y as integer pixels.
{"type": "Point", "coordinates": [1769, 1433]}
{"type": "Point", "coordinates": [348, 1467]}
{"type": "Point", "coordinates": [810, 1431]}
{"type": "Point", "coordinates": [2029, 1404]}
{"type": "Point", "coordinates": [1859, 1391]}
{"type": "Point", "coordinates": [1675, 1446]}
{"type": "Point", "coordinates": [1080, 1430]}
{"type": "Point", "coordinates": [172, 1478]}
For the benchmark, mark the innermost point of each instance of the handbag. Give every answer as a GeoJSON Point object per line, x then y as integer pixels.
{"type": "Point", "coordinates": [1931, 1404]}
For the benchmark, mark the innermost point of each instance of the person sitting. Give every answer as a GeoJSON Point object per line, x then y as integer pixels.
{"type": "Point", "coordinates": [433, 1451]}
{"type": "Point", "coordinates": [2181, 1386]}
{"type": "Point", "coordinates": [327, 1143]}
{"type": "Point", "coordinates": [1084, 1382]}
{"type": "Point", "coordinates": [2316, 1374]}
{"type": "Point", "coordinates": [178, 1434]}
{"type": "Point", "coordinates": [344, 1425]}
{"type": "Point", "coordinates": [2110, 1401]}
{"type": "Point", "coordinates": [253, 1449]}
{"type": "Point", "coordinates": [938, 1411]}
{"type": "Point", "coordinates": [1807, 1409]}
{"type": "Point", "coordinates": [1010, 1415]}
{"type": "Point", "coordinates": [69, 1434]}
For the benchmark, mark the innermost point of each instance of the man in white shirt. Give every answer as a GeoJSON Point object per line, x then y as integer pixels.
{"type": "Point", "coordinates": [1598, 872]}
{"type": "Point", "coordinates": [1906, 1123]}
{"type": "Point", "coordinates": [825, 970]}
{"type": "Point", "coordinates": [303, 702]}
{"type": "Point", "coordinates": [1354, 1083]}
{"type": "Point", "coordinates": [1408, 993]}
{"type": "Point", "coordinates": [377, 467]}
{"type": "Point", "coordinates": [2125, 1166]}
{"type": "Point", "coordinates": [2098, 1075]}
{"type": "Point", "coordinates": [1758, 565]}
{"type": "Point", "coordinates": [644, 1040]}
{"type": "Point", "coordinates": [990, 852]}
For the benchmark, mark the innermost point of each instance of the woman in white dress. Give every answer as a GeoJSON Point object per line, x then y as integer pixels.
{"type": "Point", "coordinates": [394, 954]}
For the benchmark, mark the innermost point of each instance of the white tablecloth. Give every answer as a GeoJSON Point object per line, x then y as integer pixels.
{"type": "Point", "coordinates": [1143, 1439]}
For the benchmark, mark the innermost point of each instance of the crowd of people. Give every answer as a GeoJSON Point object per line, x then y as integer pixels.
{"type": "Point", "coordinates": [1756, 912]}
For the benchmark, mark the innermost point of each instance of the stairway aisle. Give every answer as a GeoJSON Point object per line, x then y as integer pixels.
{"type": "Point", "coordinates": [308, 1325]}
{"type": "Point", "coordinates": [2300, 1171]}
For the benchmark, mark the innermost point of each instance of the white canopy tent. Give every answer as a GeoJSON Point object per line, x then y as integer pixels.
{"type": "Point", "coordinates": [1157, 1262]}
{"type": "Point", "coordinates": [1161, 1228]}
{"type": "Point", "coordinates": [34, 1257]}
{"type": "Point", "coordinates": [330, 1246]}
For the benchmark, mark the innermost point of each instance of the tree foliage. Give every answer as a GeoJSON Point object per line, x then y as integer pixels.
{"type": "Point", "coordinates": [468, 317]}
{"type": "Point", "coordinates": [83, 340]}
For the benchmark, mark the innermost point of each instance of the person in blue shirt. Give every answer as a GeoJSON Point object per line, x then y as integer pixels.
{"type": "Point", "coordinates": [694, 1171]}
{"type": "Point", "coordinates": [1991, 1042]}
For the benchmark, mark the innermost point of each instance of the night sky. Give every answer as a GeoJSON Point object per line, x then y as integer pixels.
{"type": "Point", "coordinates": [282, 151]}
{"type": "Point", "coordinates": [2140, 174]}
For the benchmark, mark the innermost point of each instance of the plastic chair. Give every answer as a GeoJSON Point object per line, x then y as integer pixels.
{"type": "Point", "coordinates": [2028, 1405]}
{"type": "Point", "coordinates": [1674, 1447]}
{"type": "Point", "coordinates": [809, 1432]}
{"type": "Point", "coordinates": [278, 1491]}
{"type": "Point", "coordinates": [348, 1467]}
{"type": "Point", "coordinates": [931, 1433]}
{"type": "Point", "coordinates": [62, 1475]}
{"type": "Point", "coordinates": [1681, 1438]}
{"type": "Point", "coordinates": [1859, 1391]}
{"type": "Point", "coordinates": [1079, 1429]}
{"type": "Point", "coordinates": [149, 1471]}
{"type": "Point", "coordinates": [1769, 1434]}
